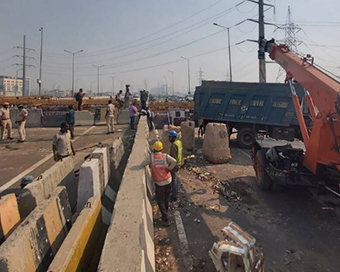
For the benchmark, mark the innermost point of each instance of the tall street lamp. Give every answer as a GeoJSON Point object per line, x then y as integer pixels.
{"type": "Point", "coordinates": [73, 54]}
{"type": "Point", "coordinates": [173, 82]}
{"type": "Point", "coordinates": [227, 28]}
{"type": "Point", "coordinates": [188, 73]}
{"type": "Point", "coordinates": [98, 67]}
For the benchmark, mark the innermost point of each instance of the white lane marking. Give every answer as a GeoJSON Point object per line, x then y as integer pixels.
{"type": "Point", "coordinates": [34, 166]}
{"type": "Point", "coordinates": [245, 153]}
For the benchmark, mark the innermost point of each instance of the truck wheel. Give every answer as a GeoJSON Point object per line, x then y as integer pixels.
{"type": "Point", "coordinates": [262, 178]}
{"type": "Point", "coordinates": [246, 137]}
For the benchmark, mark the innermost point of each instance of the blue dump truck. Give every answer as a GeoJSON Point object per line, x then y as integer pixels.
{"type": "Point", "coordinates": [248, 108]}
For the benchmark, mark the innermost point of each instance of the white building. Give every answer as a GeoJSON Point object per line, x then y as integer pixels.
{"type": "Point", "coordinates": [11, 86]}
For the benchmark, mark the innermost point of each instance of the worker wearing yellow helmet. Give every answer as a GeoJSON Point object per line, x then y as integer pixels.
{"type": "Point", "coordinates": [161, 165]}
{"type": "Point", "coordinates": [6, 122]}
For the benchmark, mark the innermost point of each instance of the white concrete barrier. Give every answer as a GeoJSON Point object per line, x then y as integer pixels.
{"type": "Point", "coordinates": [84, 118]}
{"type": "Point", "coordinates": [106, 162]}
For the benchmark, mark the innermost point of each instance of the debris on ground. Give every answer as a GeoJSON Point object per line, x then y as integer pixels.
{"type": "Point", "coordinates": [292, 256]}
{"type": "Point", "coordinates": [223, 188]}
{"type": "Point", "coordinates": [242, 253]}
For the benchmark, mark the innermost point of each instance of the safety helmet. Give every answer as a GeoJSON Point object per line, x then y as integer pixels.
{"type": "Point", "coordinates": [158, 146]}
{"type": "Point", "coordinates": [172, 133]}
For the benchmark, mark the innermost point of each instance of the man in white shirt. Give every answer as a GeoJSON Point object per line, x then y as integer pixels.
{"type": "Point", "coordinates": [110, 117]}
{"type": "Point", "coordinates": [6, 123]}
{"type": "Point", "coordinates": [21, 121]}
{"type": "Point", "coordinates": [62, 146]}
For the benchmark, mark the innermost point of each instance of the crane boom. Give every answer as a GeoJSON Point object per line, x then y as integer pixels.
{"type": "Point", "coordinates": [323, 138]}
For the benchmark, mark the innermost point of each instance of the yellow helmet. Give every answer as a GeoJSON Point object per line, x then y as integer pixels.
{"type": "Point", "coordinates": [158, 146]}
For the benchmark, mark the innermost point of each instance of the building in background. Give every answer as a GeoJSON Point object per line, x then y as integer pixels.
{"type": "Point", "coordinates": [11, 86]}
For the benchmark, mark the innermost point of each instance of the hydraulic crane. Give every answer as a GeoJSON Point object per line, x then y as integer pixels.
{"type": "Point", "coordinates": [316, 161]}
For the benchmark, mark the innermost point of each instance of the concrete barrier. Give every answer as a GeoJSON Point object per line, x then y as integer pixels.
{"type": "Point", "coordinates": [100, 116]}
{"type": "Point", "coordinates": [91, 181]}
{"type": "Point", "coordinates": [116, 151]}
{"type": "Point", "coordinates": [106, 162]}
{"type": "Point", "coordinates": [32, 245]}
{"type": "Point", "coordinates": [129, 242]}
{"type": "Point", "coordinates": [62, 173]}
{"type": "Point", "coordinates": [78, 249]}
{"type": "Point", "coordinates": [9, 216]}
{"type": "Point", "coordinates": [34, 118]}
{"type": "Point", "coordinates": [84, 118]}
{"type": "Point", "coordinates": [123, 117]}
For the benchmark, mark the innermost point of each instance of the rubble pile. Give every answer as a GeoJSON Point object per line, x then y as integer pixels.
{"type": "Point", "coordinates": [224, 188]}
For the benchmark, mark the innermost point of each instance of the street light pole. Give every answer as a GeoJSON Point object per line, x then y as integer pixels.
{"type": "Point", "coordinates": [73, 54]}
{"type": "Point", "coordinates": [229, 49]}
{"type": "Point", "coordinates": [166, 86]}
{"type": "Point", "coordinates": [98, 67]}
{"type": "Point", "coordinates": [188, 72]}
{"type": "Point", "coordinates": [41, 50]}
{"type": "Point", "coordinates": [113, 84]}
{"type": "Point", "coordinates": [173, 82]}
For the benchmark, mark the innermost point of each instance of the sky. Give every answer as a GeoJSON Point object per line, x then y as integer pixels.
{"type": "Point", "coordinates": [138, 42]}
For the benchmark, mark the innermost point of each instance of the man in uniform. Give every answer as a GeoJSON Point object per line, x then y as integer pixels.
{"type": "Point", "coordinates": [6, 122]}
{"type": "Point", "coordinates": [161, 165]}
{"type": "Point", "coordinates": [110, 117]}
{"type": "Point", "coordinates": [176, 151]}
{"type": "Point", "coordinates": [21, 121]}
{"type": "Point", "coordinates": [62, 146]}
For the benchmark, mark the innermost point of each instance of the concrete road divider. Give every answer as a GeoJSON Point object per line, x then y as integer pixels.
{"type": "Point", "coordinates": [106, 162]}
{"type": "Point", "coordinates": [34, 118]}
{"type": "Point", "coordinates": [100, 116]}
{"type": "Point", "coordinates": [84, 118]}
{"type": "Point", "coordinates": [9, 216]}
{"type": "Point", "coordinates": [123, 117]}
{"type": "Point", "coordinates": [33, 244]}
{"type": "Point", "coordinates": [78, 249]}
{"type": "Point", "coordinates": [129, 242]}
{"type": "Point", "coordinates": [116, 152]}
{"type": "Point", "coordinates": [62, 173]}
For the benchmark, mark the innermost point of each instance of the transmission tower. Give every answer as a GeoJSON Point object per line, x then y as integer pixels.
{"type": "Point", "coordinates": [200, 77]}
{"type": "Point", "coordinates": [291, 29]}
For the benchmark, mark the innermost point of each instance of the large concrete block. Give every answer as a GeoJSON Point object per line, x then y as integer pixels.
{"type": "Point", "coordinates": [188, 135]}
{"type": "Point", "coordinates": [62, 173]}
{"type": "Point", "coordinates": [123, 117]}
{"type": "Point", "coordinates": [106, 162]}
{"type": "Point", "coordinates": [132, 215]}
{"type": "Point", "coordinates": [165, 137]}
{"type": "Point", "coordinates": [90, 182]}
{"type": "Point", "coordinates": [33, 244]}
{"type": "Point", "coordinates": [84, 118]}
{"type": "Point", "coordinates": [216, 143]}
{"type": "Point", "coordinates": [34, 118]}
{"type": "Point", "coordinates": [116, 151]}
{"type": "Point", "coordinates": [78, 249]}
{"type": "Point", "coordinates": [9, 215]}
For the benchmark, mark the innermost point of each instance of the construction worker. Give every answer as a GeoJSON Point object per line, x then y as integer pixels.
{"type": "Point", "coordinates": [62, 146]}
{"type": "Point", "coordinates": [176, 151]}
{"type": "Point", "coordinates": [21, 121]}
{"type": "Point", "coordinates": [161, 165]}
{"type": "Point", "coordinates": [6, 122]}
{"type": "Point", "coordinates": [110, 117]}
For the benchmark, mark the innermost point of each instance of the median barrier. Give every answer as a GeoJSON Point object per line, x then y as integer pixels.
{"type": "Point", "coordinates": [129, 242]}
{"type": "Point", "coordinates": [61, 173]}
{"type": "Point", "coordinates": [34, 118]}
{"type": "Point", "coordinates": [84, 118]}
{"type": "Point", "coordinates": [77, 251]}
{"type": "Point", "coordinates": [9, 216]}
{"type": "Point", "coordinates": [33, 244]}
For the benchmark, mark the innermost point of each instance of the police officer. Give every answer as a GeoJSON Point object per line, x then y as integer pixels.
{"type": "Point", "coordinates": [161, 165]}
{"type": "Point", "coordinates": [176, 151]}
{"type": "Point", "coordinates": [21, 121]}
{"type": "Point", "coordinates": [6, 122]}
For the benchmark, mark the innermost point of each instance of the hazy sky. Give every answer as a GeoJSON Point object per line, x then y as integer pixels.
{"type": "Point", "coordinates": [138, 41]}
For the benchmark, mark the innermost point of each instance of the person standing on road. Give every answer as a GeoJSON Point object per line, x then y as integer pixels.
{"type": "Point", "coordinates": [133, 114]}
{"type": "Point", "coordinates": [161, 165]}
{"type": "Point", "coordinates": [6, 122]}
{"type": "Point", "coordinates": [110, 117]}
{"type": "Point", "coordinates": [21, 121]}
{"type": "Point", "coordinates": [71, 119]}
{"type": "Point", "coordinates": [79, 98]}
{"type": "Point", "coordinates": [176, 151]}
{"type": "Point", "coordinates": [127, 97]}
{"type": "Point", "coordinates": [150, 116]}
{"type": "Point", "coordinates": [62, 146]}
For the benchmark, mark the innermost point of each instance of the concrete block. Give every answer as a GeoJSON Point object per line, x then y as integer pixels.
{"type": "Point", "coordinates": [34, 118]}
{"type": "Point", "coordinates": [99, 116]}
{"type": "Point", "coordinates": [165, 137]}
{"type": "Point", "coordinates": [216, 143]}
{"type": "Point", "coordinates": [90, 182]}
{"type": "Point", "coordinates": [132, 216]}
{"type": "Point", "coordinates": [123, 117]}
{"type": "Point", "coordinates": [62, 173]}
{"type": "Point", "coordinates": [77, 250]}
{"type": "Point", "coordinates": [84, 118]}
{"type": "Point", "coordinates": [116, 151]}
{"type": "Point", "coordinates": [54, 116]}
{"type": "Point", "coordinates": [32, 246]}
{"type": "Point", "coordinates": [188, 135]}
{"type": "Point", "coordinates": [106, 162]}
{"type": "Point", "coordinates": [9, 215]}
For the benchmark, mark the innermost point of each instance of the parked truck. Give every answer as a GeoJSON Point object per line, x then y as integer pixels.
{"type": "Point", "coordinates": [249, 109]}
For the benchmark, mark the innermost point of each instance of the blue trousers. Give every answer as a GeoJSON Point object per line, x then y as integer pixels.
{"type": "Point", "coordinates": [132, 122]}
{"type": "Point", "coordinates": [174, 184]}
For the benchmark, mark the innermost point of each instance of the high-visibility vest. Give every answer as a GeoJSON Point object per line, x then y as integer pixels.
{"type": "Point", "coordinates": [178, 143]}
{"type": "Point", "coordinates": [158, 167]}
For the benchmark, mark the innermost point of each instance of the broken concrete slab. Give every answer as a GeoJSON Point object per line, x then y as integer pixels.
{"type": "Point", "coordinates": [9, 215]}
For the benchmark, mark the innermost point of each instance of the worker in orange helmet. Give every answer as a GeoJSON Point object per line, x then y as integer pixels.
{"type": "Point", "coordinates": [161, 165]}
